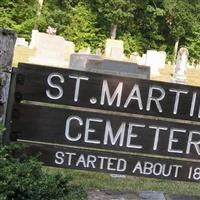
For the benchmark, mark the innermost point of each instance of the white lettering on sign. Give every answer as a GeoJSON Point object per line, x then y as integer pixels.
{"type": "Point", "coordinates": [174, 140]}
{"type": "Point", "coordinates": [55, 86]}
{"type": "Point", "coordinates": [118, 136]}
{"type": "Point", "coordinates": [157, 134]}
{"type": "Point", "coordinates": [77, 87]}
{"type": "Point", "coordinates": [67, 127]}
{"type": "Point", "coordinates": [59, 158]}
{"type": "Point", "coordinates": [191, 142]}
{"type": "Point", "coordinates": [194, 96]}
{"type": "Point", "coordinates": [89, 130]}
{"type": "Point", "coordinates": [105, 94]}
{"type": "Point", "coordinates": [156, 169]}
{"type": "Point", "coordinates": [127, 134]}
{"type": "Point", "coordinates": [91, 161]}
{"type": "Point", "coordinates": [134, 95]}
{"type": "Point", "coordinates": [177, 98]}
{"type": "Point", "coordinates": [133, 135]}
{"type": "Point", "coordinates": [152, 98]}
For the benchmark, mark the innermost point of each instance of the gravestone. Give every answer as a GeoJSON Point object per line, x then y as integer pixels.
{"type": "Point", "coordinates": [50, 50]}
{"type": "Point", "coordinates": [152, 61]}
{"type": "Point", "coordinates": [142, 61]}
{"type": "Point", "coordinates": [117, 54]}
{"type": "Point", "coordinates": [34, 39]}
{"type": "Point", "coordinates": [70, 49]}
{"type": "Point", "coordinates": [85, 50]}
{"type": "Point", "coordinates": [78, 61]}
{"type": "Point", "coordinates": [181, 65]}
{"type": "Point", "coordinates": [114, 49]}
{"type": "Point", "coordinates": [95, 63]}
{"type": "Point", "coordinates": [162, 59]}
{"type": "Point", "coordinates": [134, 57]}
{"type": "Point", "coordinates": [21, 42]}
{"type": "Point", "coordinates": [156, 61]}
{"type": "Point", "coordinates": [98, 52]}
{"type": "Point", "coordinates": [121, 68]}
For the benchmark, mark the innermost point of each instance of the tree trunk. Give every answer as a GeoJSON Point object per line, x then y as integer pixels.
{"type": "Point", "coordinates": [113, 31]}
{"type": "Point", "coordinates": [39, 11]}
{"type": "Point", "coordinates": [175, 50]}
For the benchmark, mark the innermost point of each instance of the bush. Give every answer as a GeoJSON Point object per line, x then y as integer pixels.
{"type": "Point", "coordinates": [23, 179]}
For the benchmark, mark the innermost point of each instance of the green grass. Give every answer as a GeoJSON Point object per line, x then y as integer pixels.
{"type": "Point", "coordinates": [22, 54]}
{"type": "Point", "coordinates": [89, 180]}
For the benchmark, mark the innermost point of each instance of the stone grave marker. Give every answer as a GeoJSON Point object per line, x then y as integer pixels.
{"type": "Point", "coordinates": [122, 68]}
{"type": "Point", "coordinates": [117, 53]}
{"type": "Point", "coordinates": [70, 49]}
{"type": "Point", "coordinates": [21, 42]}
{"type": "Point", "coordinates": [114, 49]}
{"type": "Point", "coordinates": [50, 50]}
{"type": "Point", "coordinates": [134, 57]}
{"type": "Point", "coordinates": [162, 59]}
{"type": "Point", "coordinates": [78, 61]}
{"type": "Point", "coordinates": [85, 50]}
{"type": "Point", "coordinates": [152, 60]}
{"type": "Point", "coordinates": [34, 39]}
{"type": "Point", "coordinates": [96, 63]}
{"type": "Point", "coordinates": [181, 65]}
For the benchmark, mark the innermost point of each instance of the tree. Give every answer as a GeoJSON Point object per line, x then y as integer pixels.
{"type": "Point", "coordinates": [82, 28]}
{"type": "Point", "coordinates": [148, 17]}
{"type": "Point", "coordinates": [55, 13]}
{"type": "Point", "coordinates": [113, 13]}
{"type": "Point", "coordinates": [180, 19]}
{"type": "Point", "coordinates": [18, 15]}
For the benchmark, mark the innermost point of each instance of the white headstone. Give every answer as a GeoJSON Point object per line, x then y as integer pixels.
{"type": "Point", "coordinates": [162, 59]}
{"type": "Point", "coordinates": [156, 60]}
{"type": "Point", "coordinates": [34, 39]}
{"type": "Point", "coordinates": [85, 51]}
{"type": "Point", "coordinates": [181, 66]}
{"type": "Point", "coordinates": [117, 54]}
{"type": "Point", "coordinates": [143, 59]}
{"type": "Point", "coordinates": [70, 49]}
{"type": "Point", "coordinates": [152, 60]}
{"type": "Point", "coordinates": [134, 57]}
{"type": "Point", "coordinates": [21, 42]}
{"type": "Point", "coordinates": [114, 48]}
{"type": "Point", "coordinates": [50, 50]}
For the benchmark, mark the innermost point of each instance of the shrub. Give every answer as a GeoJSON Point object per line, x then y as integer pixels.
{"type": "Point", "coordinates": [22, 178]}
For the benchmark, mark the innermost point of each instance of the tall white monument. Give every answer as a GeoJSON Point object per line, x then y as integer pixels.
{"type": "Point", "coordinates": [181, 66]}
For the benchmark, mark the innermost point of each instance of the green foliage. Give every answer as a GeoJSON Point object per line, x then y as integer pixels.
{"type": "Point", "coordinates": [82, 28]}
{"type": "Point", "coordinates": [18, 15]}
{"type": "Point", "coordinates": [55, 13]}
{"type": "Point", "coordinates": [148, 24]}
{"type": "Point", "coordinates": [132, 43]}
{"type": "Point", "coordinates": [193, 45]}
{"type": "Point", "coordinates": [23, 178]}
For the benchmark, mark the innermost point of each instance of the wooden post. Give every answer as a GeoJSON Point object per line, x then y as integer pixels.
{"type": "Point", "coordinates": [7, 44]}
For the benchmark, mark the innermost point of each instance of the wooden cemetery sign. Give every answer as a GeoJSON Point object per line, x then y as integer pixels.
{"type": "Point", "coordinates": [98, 122]}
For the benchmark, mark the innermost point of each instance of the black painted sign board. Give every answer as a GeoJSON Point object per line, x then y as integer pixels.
{"type": "Point", "coordinates": [107, 92]}
{"type": "Point", "coordinates": [81, 127]}
{"type": "Point", "coordinates": [105, 131]}
{"type": "Point", "coordinates": [117, 163]}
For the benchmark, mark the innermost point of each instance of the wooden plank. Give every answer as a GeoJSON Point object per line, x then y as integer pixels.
{"type": "Point", "coordinates": [105, 131]}
{"type": "Point", "coordinates": [72, 158]}
{"type": "Point", "coordinates": [107, 92]}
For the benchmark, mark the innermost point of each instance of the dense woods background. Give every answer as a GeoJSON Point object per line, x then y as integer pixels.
{"type": "Point", "coordinates": [141, 24]}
